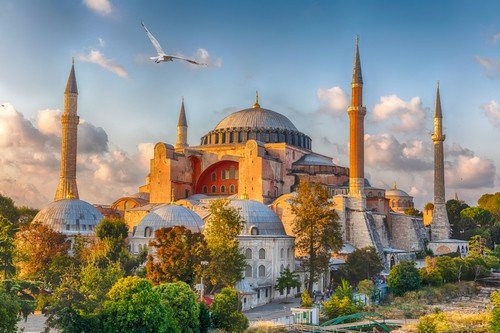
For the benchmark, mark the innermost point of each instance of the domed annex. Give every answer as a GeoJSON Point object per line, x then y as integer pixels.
{"type": "Point", "coordinates": [399, 200]}
{"type": "Point", "coordinates": [70, 216]}
{"type": "Point", "coordinates": [259, 218]}
{"type": "Point", "coordinates": [258, 124]}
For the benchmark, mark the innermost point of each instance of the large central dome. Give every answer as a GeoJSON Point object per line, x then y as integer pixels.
{"type": "Point", "coordinates": [259, 124]}
{"type": "Point", "coordinates": [256, 118]}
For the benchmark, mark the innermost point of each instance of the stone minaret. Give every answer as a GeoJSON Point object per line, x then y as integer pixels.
{"type": "Point", "coordinates": [182, 129]}
{"type": "Point", "coordinates": [356, 114]}
{"type": "Point", "coordinates": [440, 226]}
{"type": "Point", "coordinates": [67, 188]}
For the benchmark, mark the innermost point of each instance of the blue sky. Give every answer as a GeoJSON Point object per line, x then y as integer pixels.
{"type": "Point", "coordinates": [287, 50]}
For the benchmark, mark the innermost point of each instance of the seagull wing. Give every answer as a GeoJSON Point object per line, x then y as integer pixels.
{"type": "Point", "coordinates": [154, 41]}
{"type": "Point", "coordinates": [189, 60]}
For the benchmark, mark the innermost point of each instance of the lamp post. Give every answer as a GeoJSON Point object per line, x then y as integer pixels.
{"type": "Point", "coordinates": [204, 263]}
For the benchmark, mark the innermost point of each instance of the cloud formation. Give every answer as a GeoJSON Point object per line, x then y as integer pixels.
{"type": "Point", "coordinates": [491, 66]}
{"type": "Point", "coordinates": [334, 100]}
{"type": "Point", "coordinates": [492, 111]}
{"type": "Point", "coordinates": [97, 57]}
{"type": "Point", "coordinates": [202, 56]}
{"type": "Point", "coordinates": [30, 160]}
{"type": "Point", "coordinates": [102, 7]}
{"type": "Point", "coordinates": [402, 116]}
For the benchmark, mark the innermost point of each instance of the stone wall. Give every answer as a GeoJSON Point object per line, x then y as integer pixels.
{"type": "Point", "coordinates": [408, 233]}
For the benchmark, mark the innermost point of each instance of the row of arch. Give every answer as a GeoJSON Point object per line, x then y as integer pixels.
{"type": "Point", "coordinates": [240, 135]}
{"type": "Point", "coordinates": [213, 189]}
{"type": "Point", "coordinates": [261, 271]}
{"type": "Point", "coordinates": [262, 253]}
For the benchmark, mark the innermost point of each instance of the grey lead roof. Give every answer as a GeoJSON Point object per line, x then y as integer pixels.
{"type": "Point", "coordinates": [256, 118]}
{"type": "Point", "coordinates": [311, 159]}
{"type": "Point", "coordinates": [256, 214]}
{"type": "Point", "coordinates": [71, 84]}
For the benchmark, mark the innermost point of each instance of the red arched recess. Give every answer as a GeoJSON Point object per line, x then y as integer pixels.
{"type": "Point", "coordinates": [220, 178]}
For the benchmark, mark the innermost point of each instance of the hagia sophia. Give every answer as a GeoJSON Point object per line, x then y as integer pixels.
{"type": "Point", "coordinates": [256, 158]}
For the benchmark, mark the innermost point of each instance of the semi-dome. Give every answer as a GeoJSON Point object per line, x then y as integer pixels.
{"type": "Point", "coordinates": [259, 124]}
{"type": "Point", "coordinates": [70, 216]}
{"type": "Point", "coordinates": [165, 216]}
{"type": "Point", "coordinates": [395, 192]}
{"type": "Point", "coordinates": [259, 218]}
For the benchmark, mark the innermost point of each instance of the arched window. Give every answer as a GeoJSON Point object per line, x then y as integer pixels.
{"type": "Point", "coordinates": [248, 271]}
{"type": "Point", "coordinates": [186, 193]}
{"type": "Point", "coordinates": [282, 268]}
{"type": "Point", "coordinates": [214, 189]}
{"type": "Point", "coordinates": [231, 189]}
{"type": "Point", "coordinates": [205, 189]}
{"type": "Point", "coordinates": [282, 253]}
{"type": "Point", "coordinates": [288, 253]}
{"type": "Point", "coordinates": [262, 254]}
{"type": "Point", "coordinates": [254, 231]}
{"type": "Point", "coordinates": [223, 189]}
{"type": "Point", "coordinates": [262, 271]}
{"type": "Point", "coordinates": [223, 174]}
{"type": "Point", "coordinates": [147, 232]}
{"type": "Point", "coordinates": [248, 253]}
{"type": "Point", "coordinates": [214, 176]}
{"type": "Point", "coordinates": [133, 230]}
{"type": "Point", "coordinates": [232, 172]}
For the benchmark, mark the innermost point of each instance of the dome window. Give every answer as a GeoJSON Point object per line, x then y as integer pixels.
{"type": "Point", "coordinates": [231, 189]}
{"type": "Point", "coordinates": [254, 231]}
{"type": "Point", "coordinates": [262, 254]}
{"type": "Point", "coordinates": [214, 189]}
{"type": "Point", "coordinates": [262, 271]}
{"type": "Point", "coordinates": [223, 189]}
{"type": "Point", "coordinates": [214, 176]}
{"type": "Point", "coordinates": [147, 232]}
{"type": "Point", "coordinates": [133, 230]}
{"type": "Point", "coordinates": [205, 189]}
{"type": "Point", "coordinates": [248, 271]}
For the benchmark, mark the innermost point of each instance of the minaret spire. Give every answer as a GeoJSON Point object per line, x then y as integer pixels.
{"type": "Point", "coordinates": [182, 127]}
{"type": "Point", "coordinates": [256, 105]}
{"type": "Point", "coordinates": [67, 188]}
{"type": "Point", "coordinates": [357, 114]}
{"type": "Point", "coordinates": [440, 226]}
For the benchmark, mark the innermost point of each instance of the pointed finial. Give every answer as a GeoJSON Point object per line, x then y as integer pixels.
{"type": "Point", "coordinates": [244, 196]}
{"type": "Point", "coordinates": [394, 186]}
{"type": "Point", "coordinates": [256, 105]}
{"type": "Point", "coordinates": [438, 113]}
{"type": "Point", "coordinates": [73, 61]}
{"type": "Point", "coordinates": [182, 115]}
{"type": "Point", "coordinates": [357, 77]}
{"type": "Point", "coordinates": [71, 86]}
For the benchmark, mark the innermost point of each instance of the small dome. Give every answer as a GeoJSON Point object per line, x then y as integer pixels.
{"type": "Point", "coordinates": [256, 118]}
{"type": "Point", "coordinates": [395, 192]}
{"type": "Point", "coordinates": [312, 159]}
{"type": "Point", "coordinates": [166, 216]}
{"type": "Point", "coordinates": [70, 216]}
{"type": "Point", "coordinates": [259, 218]}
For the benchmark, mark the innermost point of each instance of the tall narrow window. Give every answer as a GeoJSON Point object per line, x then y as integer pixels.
{"type": "Point", "coordinates": [214, 189]}
{"type": "Point", "coordinates": [231, 189]}
{"type": "Point", "coordinates": [248, 253]}
{"type": "Point", "coordinates": [262, 271]}
{"type": "Point", "coordinates": [262, 254]}
{"type": "Point", "coordinates": [223, 189]}
{"type": "Point", "coordinates": [214, 176]}
{"type": "Point", "coordinates": [248, 271]}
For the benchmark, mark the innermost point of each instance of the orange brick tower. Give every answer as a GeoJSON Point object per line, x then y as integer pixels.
{"type": "Point", "coordinates": [67, 189]}
{"type": "Point", "coordinates": [182, 129]}
{"type": "Point", "coordinates": [356, 114]}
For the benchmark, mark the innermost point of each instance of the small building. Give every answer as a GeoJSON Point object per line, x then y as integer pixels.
{"type": "Point", "coordinates": [399, 200]}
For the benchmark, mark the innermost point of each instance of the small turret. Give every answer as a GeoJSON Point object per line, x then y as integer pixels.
{"type": "Point", "coordinates": [182, 127]}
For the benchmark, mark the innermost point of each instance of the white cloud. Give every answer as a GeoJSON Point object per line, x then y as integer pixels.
{"type": "Point", "coordinates": [101, 41]}
{"type": "Point", "coordinates": [492, 111]}
{"type": "Point", "coordinates": [30, 160]}
{"type": "Point", "coordinates": [491, 66]}
{"type": "Point", "coordinates": [495, 38]}
{"type": "Point", "coordinates": [102, 7]}
{"type": "Point", "coordinates": [96, 57]}
{"type": "Point", "coordinates": [202, 56]}
{"type": "Point", "coordinates": [335, 100]}
{"type": "Point", "coordinates": [402, 116]}
{"type": "Point", "coordinates": [470, 172]}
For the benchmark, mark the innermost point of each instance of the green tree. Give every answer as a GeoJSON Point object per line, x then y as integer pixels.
{"type": "Point", "coordinates": [344, 289]}
{"type": "Point", "coordinates": [182, 299]}
{"type": "Point", "coordinates": [178, 255]}
{"type": "Point", "coordinates": [479, 216]}
{"type": "Point", "coordinates": [221, 230]}
{"type": "Point", "coordinates": [338, 306]}
{"type": "Point", "coordinates": [404, 277]}
{"type": "Point", "coordinates": [491, 202]}
{"type": "Point", "coordinates": [413, 212]}
{"type": "Point", "coordinates": [133, 306]}
{"type": "Point", "coordinates": [286, 281]}
{"type": "Point", "coordinates": [453, 208]}
{"type": "Point", "coordinates": [25, 292]}
{"type": "Point", "coordinates": [316, 229]}
{"type": "Point", "coordinates": [478, 246]}
{"type": "Point", "coordinates": [8, 209]}
{"type": "Point", "coordinates": [362, 264]}
{"type": "Point", "coordinates": [9, 312]}
{"type": "Point", "coordinates": [366, 287]}
{"type": "Point", "coordinates": [226, 311]}
{"type": "Point", "coordinates": [305, 300]}
{"type": "Point", "coordinates": [204, 317]}
{"type": "Point", "coordinates": [7, 247]}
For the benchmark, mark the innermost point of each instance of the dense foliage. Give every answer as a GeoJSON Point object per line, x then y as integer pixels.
{"type": "Point", "coordinates": [305, 300]}
{"type": "Point", "coordinates": [179, 254]}
{"type": "Point", "coordinates": [226, 311]}
{"type": "Point", "coordinates": [404, 277]}
{"type": "Point", "coordinates": [316, 229]}
{"type": "Point", "coordinates": [286, 281]}
{"type": "Point", "coordinates": [364, 263]}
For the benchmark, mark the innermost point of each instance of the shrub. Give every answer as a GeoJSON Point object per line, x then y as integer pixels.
{"type": "Point", "coordinates": [338, 306]}
{"type": "Point", "coordinates": [404, 277]}
{"type": "Point", "coordinates": [306, 300]}
{"type": "Point", "coordinates": [226, 312]}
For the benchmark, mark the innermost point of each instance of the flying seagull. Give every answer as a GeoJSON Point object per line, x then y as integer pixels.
{"type": "Point", "coordinates": [162, 56]}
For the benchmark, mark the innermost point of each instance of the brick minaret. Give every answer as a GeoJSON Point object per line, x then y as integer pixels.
{"type": "Point", "coordinates": [357, 114]}
{"type": "Point", "coordinates": [69, 120]}
{"type": "Point", "coordinates": [440, 226]}
{"type": "Point", "coordinates": [182, 129]}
